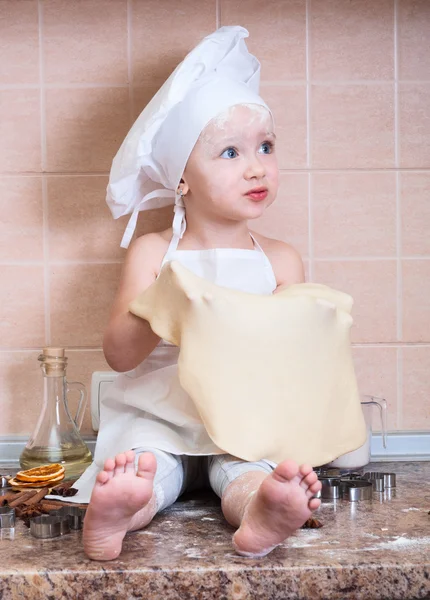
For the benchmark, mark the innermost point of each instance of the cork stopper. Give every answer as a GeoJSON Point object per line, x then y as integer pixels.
{"type": "Point", "coordinates": [54, 352]}
{"type": "Point", "coordinates": [53, 361]}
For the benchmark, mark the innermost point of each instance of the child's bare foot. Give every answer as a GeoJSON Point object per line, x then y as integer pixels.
{"type": "Point", "coordinates": [282, 503]}
{"type": "Point", "coordinates": [118, 495]}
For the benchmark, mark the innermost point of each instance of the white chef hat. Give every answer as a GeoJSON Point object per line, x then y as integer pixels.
{"type": "Point", "coordinates": [219, 73]}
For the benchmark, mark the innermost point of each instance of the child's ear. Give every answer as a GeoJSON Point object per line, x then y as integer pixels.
{"type": "Point", "coordinates": [183, 185]}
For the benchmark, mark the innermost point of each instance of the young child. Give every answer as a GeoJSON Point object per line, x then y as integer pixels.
{"type": "Point", "coordinates": [230, 177]}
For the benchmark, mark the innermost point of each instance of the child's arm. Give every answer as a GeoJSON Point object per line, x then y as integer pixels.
{"type": "Point", "coordinates": [128, 340]}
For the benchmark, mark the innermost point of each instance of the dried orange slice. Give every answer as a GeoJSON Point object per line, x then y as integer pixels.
{"type": "Point", "coordinates": [42, 473]}
{"type": "Point", "coordinates": [36, 484]}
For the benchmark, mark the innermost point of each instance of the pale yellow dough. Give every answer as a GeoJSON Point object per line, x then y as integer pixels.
{"type": "Point", "coordinates": [271, 376]}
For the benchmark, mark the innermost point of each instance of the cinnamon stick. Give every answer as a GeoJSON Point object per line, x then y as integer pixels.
{"type": "Point", "coordinates": [22, 497]}
{"type": "Point", "coordinates": [37, 497]}
{"type": "Point", "coordinates": [7, 497]}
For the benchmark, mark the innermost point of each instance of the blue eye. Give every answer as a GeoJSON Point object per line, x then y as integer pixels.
{"type": "Point", "coordinates": [229, 153]}
{"type": "Point", "coordinates": [267, 147]}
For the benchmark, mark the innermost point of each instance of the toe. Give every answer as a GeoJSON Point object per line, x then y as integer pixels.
{"type": "Point", "coordinates": [109, 467]}
{"type": "Point", "coordinates": [315, 487]}
{"type": "Point", "coordinates": [103, 477]}
{"type": "Point", "coordinates": [286, 470]}
{"type": "Point", "coordinates": [120, 460]}
{"type": "Point", "coordinates": [309, 479]}
{"type": "Point", "coordinates": [147, 465]}
{"type": "Point", "coordinates": [305, 470]}
{"type": "Point", "coordinates": [129, 462]}
{"type": "Point", "coordinates": [314, 503]}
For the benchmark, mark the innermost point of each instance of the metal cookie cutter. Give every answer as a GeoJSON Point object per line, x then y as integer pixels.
{"type": "Point", "coordinates": [351, 476]}
{"type": "Point", "coordinates": [377, 480]}
{"type": "Point", "coordinates": [73, 514]}
{"type": "Point", "coordinates": [330, 489]}
{"type": "Point", "coordinates": [356, 490]}
{"type": "Point", "coordinates": [48, 526]}
{"type": "Point", "coordinates": [7, 517]}
{"type": "Point", "coordinates": [4, 482]}
{"type": "Point", "coordinates": [389, 480]}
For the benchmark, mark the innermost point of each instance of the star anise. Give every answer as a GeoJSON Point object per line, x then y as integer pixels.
{"type": "Point", "coordinates": [312, 523]}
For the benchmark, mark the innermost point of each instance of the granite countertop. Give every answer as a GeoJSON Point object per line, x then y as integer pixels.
{"type": "Point", "coordinates": [369, 550]}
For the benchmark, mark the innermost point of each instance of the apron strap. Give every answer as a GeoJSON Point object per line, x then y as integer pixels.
{"type": "Point", "coordinates": [256, 244]}
{"type": "Point", "coordinates": [178, 227]}
{"type": "Point", "coordinates": [267, 263]}
{"type": "Point", "coordinates": [179, 223]}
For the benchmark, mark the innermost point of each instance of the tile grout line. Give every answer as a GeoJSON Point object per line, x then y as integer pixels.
{"type": "Point", "coordinates": [399, 290]}
{"type": "Point", "coordinates": [311, 259]}
{"type": "Point", "coordinates": [55, 174]}
{"type": "Point", "coordinates": [62, 86]}
{"type": "Point", "coordinates": [46, 274]}
{"type": "Point", "coordinates": [268, 82]}
{"type": "Point", "coordinates": [336, 82]}
{"type": "Point", "coordinates": [308, 107]}
{"type": "Point", "coordinates": [368, 258]}
{"type": "Point", "coordinates": [37, 349]}
{"type": "Point", "coordinates": [35, 263]}
{"type": "Point", "coordinates": [217, 14]}
{"type": "Point", "coordinates": [129, 62]}
{"type": "Point", "coordinates": [42, 90]}
{"type": "Point", "coordinates": [283, 171]}
{"type": "Point", "coordinates": [391, 344]}
{"type": "Point", "coordinates": [400, 386]}
{"type": "Point", "coordinates": [114, 261]}
{"type": "Point", "coordinates": [373, 345]}
{"type": "Point", "coordinates": [45, 217]}
{"type": "Point", "coordinates": [308, 147]}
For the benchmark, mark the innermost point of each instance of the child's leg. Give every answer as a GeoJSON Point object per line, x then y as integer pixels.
{"type": "Point", "coordinates": [126, 497]}
{"type": "Point", "coordinates": [266, 505]}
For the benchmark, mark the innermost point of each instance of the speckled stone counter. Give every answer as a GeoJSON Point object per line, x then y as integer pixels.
{"type": "Point", "coordinates": [369, 550]}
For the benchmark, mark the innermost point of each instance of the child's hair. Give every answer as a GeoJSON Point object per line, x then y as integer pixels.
{"type": "Point", "coordinates": [225, 116]}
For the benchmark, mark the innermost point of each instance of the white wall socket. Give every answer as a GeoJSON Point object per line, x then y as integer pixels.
{"type": "Point", "coordinates": [100, 382]}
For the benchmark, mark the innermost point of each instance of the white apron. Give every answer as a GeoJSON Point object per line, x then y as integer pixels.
{"type": "Point", "coordinates": [147, 406]}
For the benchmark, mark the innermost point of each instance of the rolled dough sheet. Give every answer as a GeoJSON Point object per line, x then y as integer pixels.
{"type": "Point", "coordinates": [271, 376]}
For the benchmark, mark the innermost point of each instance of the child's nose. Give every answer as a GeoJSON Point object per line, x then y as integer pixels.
{"type": "Point", "coordinates": [255, 168]}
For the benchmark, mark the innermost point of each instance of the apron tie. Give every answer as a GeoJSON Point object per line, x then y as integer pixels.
{"type": "Point", "coordinates": [179, 223]}
{"type": "Point", "coordinates": [131, 225]}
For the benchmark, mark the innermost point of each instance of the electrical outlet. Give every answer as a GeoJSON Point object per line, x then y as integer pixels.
{"type": "Point", "coordinates": [100, 382]}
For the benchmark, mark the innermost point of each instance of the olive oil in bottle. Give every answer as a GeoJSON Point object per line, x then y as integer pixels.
{"type": "Point", "coordinates": [56, 438]}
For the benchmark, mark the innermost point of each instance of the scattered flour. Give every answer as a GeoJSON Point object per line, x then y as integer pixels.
{"type": "Point", "coordinates": [202, 512]}
{"type": "Point", "coordinates": [302, 539]}
{"type": "Point", "coordinates": [208, 519]}
{"type": "Point", "coordinates": [194, 553]}
{"type": "Point", "coordinates": [331, 543]}
{"type": "Point", "coordinates": [409, 509]}
{"type": "Point", "coordinates": [400, 543]}
{"type": "Point", "coordinates": [295, 543]}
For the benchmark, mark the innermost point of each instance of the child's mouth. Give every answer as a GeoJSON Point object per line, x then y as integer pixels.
{"type": "Point", "coordinates": [258, 194]}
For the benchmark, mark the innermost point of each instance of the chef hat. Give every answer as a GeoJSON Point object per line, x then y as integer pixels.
{"type": "Point", "coordinates": [217, 74]}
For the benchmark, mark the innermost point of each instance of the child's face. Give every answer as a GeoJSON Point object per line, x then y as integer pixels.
{"type": "Point", "coordinates": [234, 154]}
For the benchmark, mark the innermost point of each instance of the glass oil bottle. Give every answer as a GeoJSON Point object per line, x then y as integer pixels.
{"type": "Point", "coordinates": [56, 438]}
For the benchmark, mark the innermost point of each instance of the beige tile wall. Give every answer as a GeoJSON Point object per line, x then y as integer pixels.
{"type": "Point", "coordinates": [349, 83]}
